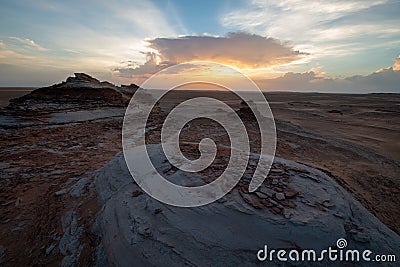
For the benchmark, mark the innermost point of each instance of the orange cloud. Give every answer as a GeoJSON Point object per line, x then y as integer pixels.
{"type": "Point", "coordinates": [239, 49]}
{"type": "Point", "coordinates": [396, 65]}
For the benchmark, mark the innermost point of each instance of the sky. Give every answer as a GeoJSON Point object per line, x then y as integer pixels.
{"type": "Point", "coordinates": [295, 45]}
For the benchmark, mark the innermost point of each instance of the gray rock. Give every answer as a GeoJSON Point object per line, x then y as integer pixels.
{"type": "Point", "coordinates": [280, 196]}
{"type": "Point", "coordinates": [61, 192]}
{"type": "Point", "coordinates": [50, 248]}
{"type": "Point", "coordinates": [2, 251]}
{"type": "Point", "coordinates": [277, 171]}
{"type": "Point", "coordinates": [261, 195]}
{"type": "Point", "coordinates": [267, 191]}
{"type": "Point", "coordinates": [77, 189]}
{"type": "Point", "coordinates": [69, 245]}
{"type": "Point", "coordinates": [228, 233]}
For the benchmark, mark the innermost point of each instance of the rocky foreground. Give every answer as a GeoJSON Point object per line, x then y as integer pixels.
{"type": "Point", "coordinates": [67, 195]}
{"type": "Point", "coordinates": [298, 207]}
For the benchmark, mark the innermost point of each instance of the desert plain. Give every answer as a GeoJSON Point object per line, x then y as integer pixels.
{"type": "Point", "coordinates": [65, 193]}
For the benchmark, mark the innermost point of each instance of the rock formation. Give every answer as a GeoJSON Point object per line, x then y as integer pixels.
{"type": "Point", "coordinates": [138, 230]}
{"type": "Point", "coordinates": [81, 90]}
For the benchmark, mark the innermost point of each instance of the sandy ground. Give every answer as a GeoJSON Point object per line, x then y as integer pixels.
{"type": "Point", "coordinates": [7, 93]}
{"type": "Point", "coordinates": [353, 138]}
{"type": "Point", "coordinates": [37, 162]}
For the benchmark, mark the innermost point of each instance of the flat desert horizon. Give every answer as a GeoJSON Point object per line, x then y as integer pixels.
{"type": "Point", "coordinates": [7, 93]}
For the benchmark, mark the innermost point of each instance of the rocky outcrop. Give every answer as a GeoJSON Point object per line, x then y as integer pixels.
{"type": "Point", "coordinates": [79, 91]}
{"type": "Point", "coordinates": [128, 89]}
{"type": "Point", "coordinates": [136, 229]}
{"type": "Point", "coordinates": [80, 78]}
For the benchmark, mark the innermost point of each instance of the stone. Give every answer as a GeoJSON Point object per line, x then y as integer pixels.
{"type": "Point", "coordinates": [266, 203]}
{"type": "Point", "coordinates": [196, 226]}
{"type": "Point", "coordinates": [277, 171]}
{"type": "Point", "coordinates": [78, 188]}
{"type": "Point", "coordinates": [252, 200]}
{"type": "Point", "coordinates": [327, 204]}
{"type": "Point", "coordinates": [61, 192]}
{"type": "Point", "coordinates": [157, 211]}
{"type": "Point", "coordinates": [267, 191]}
{"type": "Point", "coordinates": [290, 192]}
{"type": "Point", "coordinates": [279, 196]}
{"type": "Point", "coordinates": [82, 89]}
{"type": "Point", "coordinates": [277, 210]}
{"type": "Point", "coordinates": [50, 248]}
{"type": "Point", "coordinates": [261, 195]}
{"type": "Point", "coordinates": [17, 202]}
{"type": "Point", "coordinates": [147, 232]}
{"type": "Point", "coordinates": [136, 193]}
{"type": "Point", "coordinates": [287, 214]}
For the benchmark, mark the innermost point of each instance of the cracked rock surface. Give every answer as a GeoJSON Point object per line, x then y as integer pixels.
{"type": "Point", "coordinates": [138, 230]}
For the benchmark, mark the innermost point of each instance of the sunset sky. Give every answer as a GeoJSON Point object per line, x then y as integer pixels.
{"type": "Point", "coordinates": [297, 45]}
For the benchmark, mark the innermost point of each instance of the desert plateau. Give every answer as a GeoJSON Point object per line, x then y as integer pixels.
{"type": "Point", "coordinates": [68, 196]}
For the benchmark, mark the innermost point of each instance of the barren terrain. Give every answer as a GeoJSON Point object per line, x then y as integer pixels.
{"type": "Point", "coordinates": [48, 203]}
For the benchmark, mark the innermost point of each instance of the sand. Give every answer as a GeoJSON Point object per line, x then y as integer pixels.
{"type": "Point", "coordinates": [7, 93]}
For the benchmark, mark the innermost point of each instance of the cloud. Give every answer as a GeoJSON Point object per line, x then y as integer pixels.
{"type": "Point", "coordinates": [396, 65]}
{"type": "Point", "coordinates": [92, 38]}
{"type": "Point", "coordinates": [20, 51]}
{"type": "Point", "coordinates": [298, 18]}
{"type": "Point", "coordinates": [319, 26]}
{"type": "Point", "coordinates": [239, 49]}
{"type": "Point", "coordinates": [9, 56]}
{"type": "Point", "coordinates": [152, 65]}
{"type": "Point", "coordinates": [384, 80]}
{"type": "Point", "coordinates": [28, 43]}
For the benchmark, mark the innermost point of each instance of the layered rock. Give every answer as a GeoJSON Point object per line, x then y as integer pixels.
{"type": "Point", "coordinates": [136, 229]}
{"type": "Point", "coordinates": [81, 90]}
{"type": "Point", "coordinates": [128, 89]}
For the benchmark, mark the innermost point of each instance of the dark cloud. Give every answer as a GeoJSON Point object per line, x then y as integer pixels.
{"type": "Point", "coordinates": [238, 49]}
{"type": "Point", "coordinates": [385, 80]}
